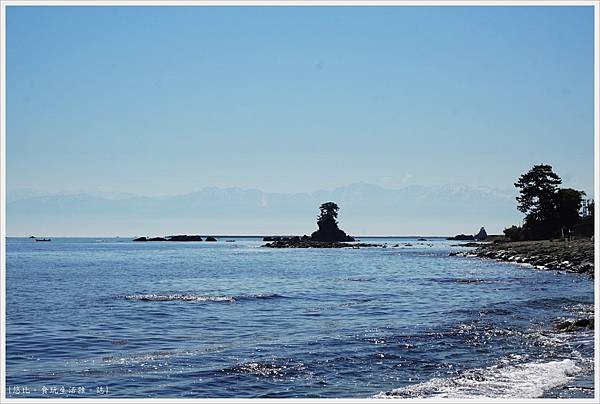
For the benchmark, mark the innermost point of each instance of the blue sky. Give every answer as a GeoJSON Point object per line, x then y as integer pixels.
{"type": "Point", "coordinates": [166, 100]}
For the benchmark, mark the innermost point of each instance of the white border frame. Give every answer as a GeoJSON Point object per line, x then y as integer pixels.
{"type": "Point", "coordinates": [313, 3]}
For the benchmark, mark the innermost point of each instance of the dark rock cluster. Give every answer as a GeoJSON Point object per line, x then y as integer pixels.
{"type": "Point", "coordinates": [293, 243]}
{"type": "Point", "coordinates": [462, 237]}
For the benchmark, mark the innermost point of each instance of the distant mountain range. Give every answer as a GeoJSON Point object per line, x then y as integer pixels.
{"type": "Point", "coordinates": [366, 209]}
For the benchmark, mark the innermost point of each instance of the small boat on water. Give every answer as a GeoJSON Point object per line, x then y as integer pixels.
{"type": "Point", "coordinates": [43, 239]}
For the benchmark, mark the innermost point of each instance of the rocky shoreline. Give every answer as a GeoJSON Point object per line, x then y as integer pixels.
{"type": "Point", "coordinates": [570, 256]}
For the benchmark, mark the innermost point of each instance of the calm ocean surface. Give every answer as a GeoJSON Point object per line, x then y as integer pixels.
{"type": "Point", "coordinates": [113, 318]}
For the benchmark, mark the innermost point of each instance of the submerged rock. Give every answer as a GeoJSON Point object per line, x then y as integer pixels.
{"type": "Point", "coordinates": [570, 326]}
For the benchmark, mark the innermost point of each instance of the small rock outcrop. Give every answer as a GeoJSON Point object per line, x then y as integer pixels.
{"type": "Point", "coordinates": [328, 225]}
{"type": "Point", "coordinates": [482, 235]}
{"type": "Point", "coordinates": [211, 238]}
{"type": "Point", "coordinates": [329, 235]}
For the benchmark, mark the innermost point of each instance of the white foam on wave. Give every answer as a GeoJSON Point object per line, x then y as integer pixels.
{"type": "Point", "coordinates": [528, 380]}
{"type": "Point", "coordinates": [191, 297]}
{"type": "Point", "coordinates": [180, 297]}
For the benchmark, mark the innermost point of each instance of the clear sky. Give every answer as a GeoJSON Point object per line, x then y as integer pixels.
{"type": "Point", "coordinates": [165, 100]}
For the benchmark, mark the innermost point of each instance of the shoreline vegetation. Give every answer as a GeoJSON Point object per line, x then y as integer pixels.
{"type": "Point", "coordinates": [557, 232]}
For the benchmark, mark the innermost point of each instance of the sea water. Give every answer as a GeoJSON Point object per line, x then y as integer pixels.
{"type": "Point", "coordinates": [90, 317]}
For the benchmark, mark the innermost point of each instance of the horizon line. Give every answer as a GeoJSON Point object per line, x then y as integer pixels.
{"type": "Point", "coordinates": [230, 235]}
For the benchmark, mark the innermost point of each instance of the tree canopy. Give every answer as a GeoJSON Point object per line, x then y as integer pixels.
{"type": "Point", "coordinates": [550, 211]}
{"type": "Point", "coordinates": [569, 203]}
{"type": "Point", "coordinates": [329, 212]}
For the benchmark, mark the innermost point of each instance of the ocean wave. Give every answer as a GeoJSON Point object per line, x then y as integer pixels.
{"type": "Point", "coordinates": [581, 309]}
{"type": "Point", "coordinates": [526, 380]}
{"type": "Point", "coordinates": [180, 297]}
{"type": "Point", "coordinates": [141, 357]}
{"type": "Point", "coordinates": [358, 279]}
{"type": "Point", "coordinates": [466, 280]}
{"type": "Point", "coordinates": [547, 302]}
{"type": "Point", "coordinates": [276, 369]}
{"type": "Point", "coordinates": [191, 297]}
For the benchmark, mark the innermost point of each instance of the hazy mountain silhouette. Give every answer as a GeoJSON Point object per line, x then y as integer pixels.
{"type": "Point", "coordinates": [366, 209]}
